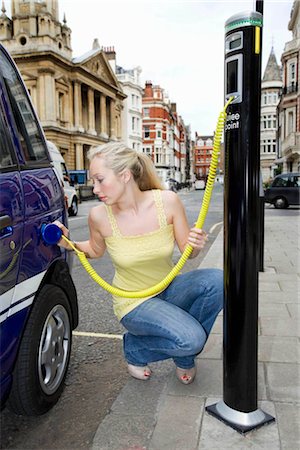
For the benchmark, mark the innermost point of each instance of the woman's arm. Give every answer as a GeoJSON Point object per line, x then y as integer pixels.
{"type": "Point", "coordinates": [183, 233]}
{"type": "Point", "coordinates": [95, 246]}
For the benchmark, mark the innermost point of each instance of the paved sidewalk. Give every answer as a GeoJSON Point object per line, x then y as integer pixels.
{"type": "Point", "coordinates": [163, 414]}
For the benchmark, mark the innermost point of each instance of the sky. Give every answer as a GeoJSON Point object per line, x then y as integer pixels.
{"type": "Point", "coordinates": [179, 44]}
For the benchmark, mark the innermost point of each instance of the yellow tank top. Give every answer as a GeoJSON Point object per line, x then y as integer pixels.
{"type": "Point", "coordinates": [140, 261]}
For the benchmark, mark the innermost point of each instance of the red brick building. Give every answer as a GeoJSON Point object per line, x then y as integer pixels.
{"type": "Point", "coordinates": [202, 155]}
{"type": "Point", "coordinates": [164, 134]}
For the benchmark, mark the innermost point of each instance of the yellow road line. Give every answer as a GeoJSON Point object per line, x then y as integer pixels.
{"type": "Point", "coordinates": [101, 335]}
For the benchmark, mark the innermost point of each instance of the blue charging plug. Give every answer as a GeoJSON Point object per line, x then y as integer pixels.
{"type": "Point", "coordinates": [51, 233]}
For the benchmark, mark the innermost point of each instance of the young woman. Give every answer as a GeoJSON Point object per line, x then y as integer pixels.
{"type": "Point", "coordinates": [138, 223]}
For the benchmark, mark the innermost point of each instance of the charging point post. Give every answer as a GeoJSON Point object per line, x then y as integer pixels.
{"type": "Point", "coordinates": [239, 409]}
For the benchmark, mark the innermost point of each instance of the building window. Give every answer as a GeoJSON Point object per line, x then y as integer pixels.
{"type": "Point", "coordinates": [133, 123]}
{"type": "Point", "coordinates": [269, 122]}
{"type": "Point", "coordinates": [146, 112]}
{"type": "Point", "coordinates": [290, 122]}
{"type": "Point", "coordinates": [158, 156]}
{"type": "Point", "coordinates": [146, 132]}
{"type": "Point", "coordinates": [292, 73]}
{"type": "Point", "coordinates": [159, 134]}
{"type": "Point", "coordinates": [268, 146]}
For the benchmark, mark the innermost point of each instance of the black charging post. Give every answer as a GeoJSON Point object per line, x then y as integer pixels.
{"type": "Point", "coordinates": [238, 408]}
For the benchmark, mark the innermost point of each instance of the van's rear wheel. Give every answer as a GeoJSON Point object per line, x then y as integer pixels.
{"type": "Point", "coordinates": [44, 354]}
{"type": "Point", "coordinates": [280, 203]}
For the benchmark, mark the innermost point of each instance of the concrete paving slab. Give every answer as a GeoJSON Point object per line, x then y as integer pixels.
{"type": "Point", "coordinates": [178, 424]}
{"type": "Point", "coordinates": [283, 382]}
{"type": "Point", "coordinates": [213, 347]}
{"type": "Point", "coordinates": [139, 396]}
{"type": "Point", "coordinates": [294, 310]}
{"type": "Point", "coordinates": [268, 309]}
{"type": "Point", "coordinates": [269, 286]}
{"type": "Point", "coordinates": [271, 276]}
{"type": "Point", "coordinates": [218, 326]}
{"type": "Point", "coordinates": [277, 297]}
{"type": "Point", "coordinates": [218, 436]}
{"type": "Point", "coordinates": [288, 419]}
{"type": "Point", "coordinates": [293, 286]}
{"type": "Point", "coordinates": [284, 268]}
{"type": "Point", "coordinates": [278, 349]}
{"type": "Point", "coordinates": [279, 327]}
{"type": "Point", "coordinates": [121, 432]}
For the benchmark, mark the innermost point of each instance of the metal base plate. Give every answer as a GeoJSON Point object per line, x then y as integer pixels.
{"type": "Point", "coordinates": [239, 421]}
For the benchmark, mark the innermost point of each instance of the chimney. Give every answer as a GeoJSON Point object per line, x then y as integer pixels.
{"type": "Point", "coordinates": [96, 44]}
{"type": "Point", "coordinates": [148, 91]}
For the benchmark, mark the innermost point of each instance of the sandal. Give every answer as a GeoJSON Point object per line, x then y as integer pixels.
{"type": "Point", "coordinates": [186, 376]}
{"type": "Point", "coordinates": [141, 373]}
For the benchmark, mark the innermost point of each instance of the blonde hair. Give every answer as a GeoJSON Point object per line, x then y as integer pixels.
{"type": "Point", "coordinates": [119, 157]}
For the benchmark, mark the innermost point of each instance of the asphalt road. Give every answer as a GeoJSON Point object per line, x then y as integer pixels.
{"type": "Point", "coordinates": [97, 370]}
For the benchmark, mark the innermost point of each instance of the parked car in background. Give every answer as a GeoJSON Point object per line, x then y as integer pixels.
{"type": "Point", "coordinates": [171, 184]}
{"type": "Point", "coordinates": [63, 174]}
{"type": "Point", "coordinates": [38, 301]}
{"type": "Point", "coordinates": [284, 190]}
{"type": "Point", "coordinates": [199, 184]}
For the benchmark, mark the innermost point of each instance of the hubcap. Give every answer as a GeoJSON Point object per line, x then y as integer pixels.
{"type": "Point", "coordinates": [53, 349]}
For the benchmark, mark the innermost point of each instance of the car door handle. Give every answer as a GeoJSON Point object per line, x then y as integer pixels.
{"type": "Point", "coordinates": [5, 226]}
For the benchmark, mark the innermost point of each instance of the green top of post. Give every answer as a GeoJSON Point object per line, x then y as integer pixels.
{"type": "Point", "coordinates": [244, 19]}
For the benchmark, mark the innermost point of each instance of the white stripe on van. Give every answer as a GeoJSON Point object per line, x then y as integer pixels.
{"type": "Point", "coordinates": [27, 287]}
{"type": "Point", "coordinates": [22, 290]}
{"type": "Point", "coordinates": [20, 306]}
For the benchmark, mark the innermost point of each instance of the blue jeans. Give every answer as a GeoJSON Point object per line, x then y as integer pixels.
{"type": "Point", "coordinates": [176, 323]}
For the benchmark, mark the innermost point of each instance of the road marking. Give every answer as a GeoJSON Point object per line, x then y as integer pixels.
{"type": "Point", "coordinates": [102, 335]}
{"type": "Point", "coordinates": [214, 227]}
{"type": "Point", "coordinates": [72, 219]}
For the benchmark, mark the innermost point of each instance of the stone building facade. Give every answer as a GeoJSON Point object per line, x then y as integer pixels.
{"type": "Point", "coordinates": [132, 114]}
{"type": "Point", "coordinates": [271, 87]}
{"type": "Point", "coordinates": [78, 100]}
{"type": "Point", "coordinates": [289, 106]}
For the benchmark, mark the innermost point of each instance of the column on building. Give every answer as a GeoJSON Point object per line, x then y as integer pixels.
{"type": "Point", "coordinates": [50, 96]}
{"type": "Point", "coordinates": [112, 131]}
{"type": "Point", "coordinates": [79, 156]}
{"type": "Point", "coordinates": [91, 111]}
{"type": "Point", "coordinates": [103, 122]}
{"type": "Point", "coordinates": [77, 106]}
{"type": "Point", "coordinates": [41, 104]}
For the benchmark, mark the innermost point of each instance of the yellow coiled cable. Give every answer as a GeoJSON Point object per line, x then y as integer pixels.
{"type": "Point", "coordinates": [188, 250]}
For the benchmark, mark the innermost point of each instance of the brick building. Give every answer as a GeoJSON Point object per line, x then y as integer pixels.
{"type": "Point", "coordinates": [202, 155]}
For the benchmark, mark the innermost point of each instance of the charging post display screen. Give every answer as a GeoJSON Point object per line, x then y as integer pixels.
{"type": "Point", "coordinates": [232, 76]}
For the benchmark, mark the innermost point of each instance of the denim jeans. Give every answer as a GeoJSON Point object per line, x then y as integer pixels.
{"type": "Point", "coordinates": [176, 323]}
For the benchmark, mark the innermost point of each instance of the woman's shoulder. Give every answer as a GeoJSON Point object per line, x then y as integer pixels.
{"type": "Point", "coordinates": [172, 204]}
{"type": "Point", "coordinates": [97, 213]}
{"type": "Point", "coordinates": [169, 197]}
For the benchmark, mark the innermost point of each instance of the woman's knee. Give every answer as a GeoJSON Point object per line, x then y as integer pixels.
{"type": "Point", "coordinates": [192, 341]}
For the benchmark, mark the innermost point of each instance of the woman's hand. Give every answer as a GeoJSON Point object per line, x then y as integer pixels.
{"type": "Point", "coordinates": [65, 232]}
{"type": "Point", "coordinates": [197, 239]}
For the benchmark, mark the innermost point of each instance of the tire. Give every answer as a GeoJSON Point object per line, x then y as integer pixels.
{"type": "Point", "coordinates": [44, 354]}
{"type": "Point", "coordinates": [280, 203]}
{"type": "Point", "coordinates": [73, 210]}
